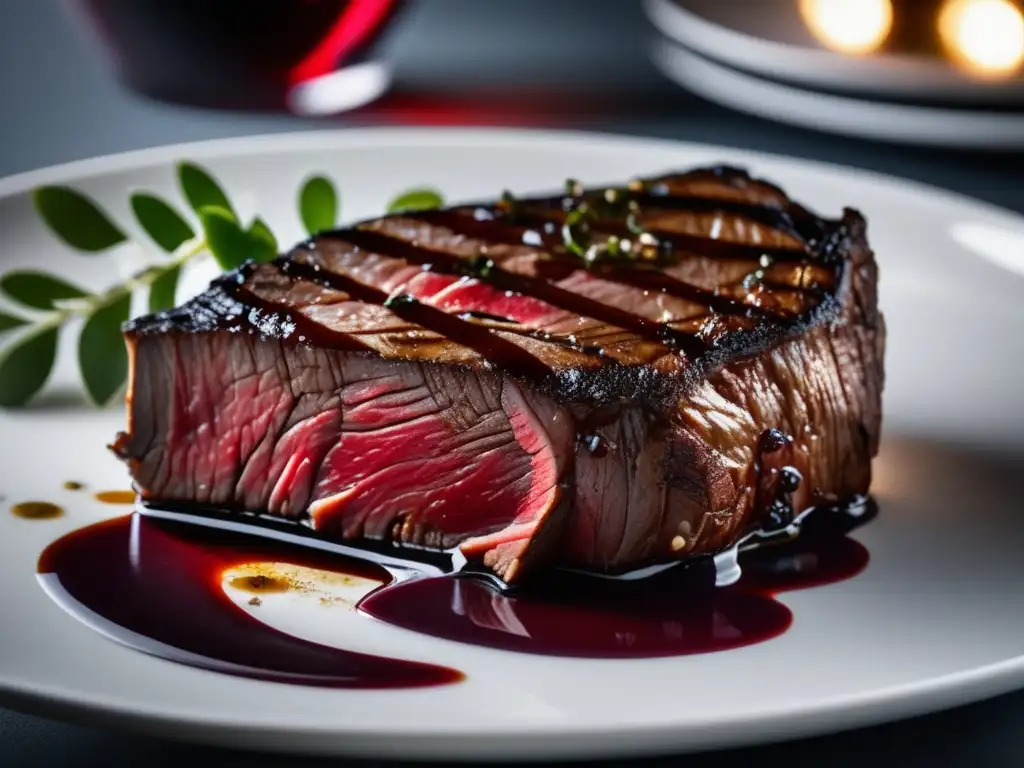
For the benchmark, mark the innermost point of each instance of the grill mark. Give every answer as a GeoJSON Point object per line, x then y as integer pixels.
{"type": "Point", "coordinates": [563, 267]}
{"type": "Point", "coordinates": [652, 280]}
{"type": "Point", "coordinates": [785, 216]}
{"type": "Point", "coordinates": [538, 230]}
{"type": "Point", "coordinates": [539, 288]}
{"type": "Point", "coordinates": [601, 337]}
{"type": "Point", "coordinates": [304, 328]}
{"type": "Point", "coordinates": [589, 346]}
{"type": "Point", "coordinates": [504, 324]}
{"type": "Point", "coordinates": [492, 226]}
{"type": "Point", "coordinates": [788, 218]}
{"type": "Point", "coordinates": [497, 230]}
{"type": "Point", "coordinates": [714, 248]}
{"type": "Point", "coordinates": [477, 337]}
{"type": "Point", "coordinates": [547, 337]}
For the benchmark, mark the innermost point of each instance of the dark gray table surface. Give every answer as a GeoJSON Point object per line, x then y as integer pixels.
{"type": "Point", "coordinates": [58, 103]}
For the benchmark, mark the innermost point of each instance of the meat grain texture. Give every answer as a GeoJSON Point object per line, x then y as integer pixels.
{"type": "Point", "coordinates": [460, 378]}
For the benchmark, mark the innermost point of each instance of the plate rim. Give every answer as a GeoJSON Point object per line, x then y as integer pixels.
{"type": "Point", "coordinates": [754, 94]}
{"type": "Point", "coordinates": [354, 137]}
{"type": "Point", "coordinates": [554, 738]}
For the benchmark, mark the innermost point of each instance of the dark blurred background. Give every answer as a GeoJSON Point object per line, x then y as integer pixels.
{"type": "Point", "coordinates": [601, 65]}
{"type": "Point", "coordinates": [929, 90]}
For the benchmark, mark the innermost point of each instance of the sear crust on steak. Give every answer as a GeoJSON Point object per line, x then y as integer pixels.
{"type": "Point", "coordinates": [606, 379]}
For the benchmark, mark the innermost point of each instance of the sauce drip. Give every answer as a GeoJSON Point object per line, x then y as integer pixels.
{"type": "Point", "coordinates": [677, 612]}
{"type": "Point", "coordinates": [775, 480]}
{"type": "Point", "coordinates": [73, 485]}
{"type": "Point", "coordinates": [115, 497]}
{"type": "Point", "coordinates": [36, 510]}
{"type": "Point", "coordinates": [157, 585]}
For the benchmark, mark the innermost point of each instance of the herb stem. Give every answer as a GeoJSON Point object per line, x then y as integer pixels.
{"type": "Point", "coordinates": [142, 279]}
{"type": "Point", "coordinates": [150, 274]}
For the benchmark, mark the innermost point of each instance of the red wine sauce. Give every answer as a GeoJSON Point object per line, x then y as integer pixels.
{"type": "Point", "coordinates": [156, 587]}
{"type": "Point", "coordinates": [678, 612]}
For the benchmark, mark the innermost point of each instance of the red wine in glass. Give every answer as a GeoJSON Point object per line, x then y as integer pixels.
{"type": "Point", "coordinates": [247, 54]}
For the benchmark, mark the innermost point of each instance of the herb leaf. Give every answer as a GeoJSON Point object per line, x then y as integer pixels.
{"type": "Point", "coordinates": [25, 365]}
{"type": "Point", "coordinates": [228, 242]}
{"type": "Point", "coordinates": [102, 356]}
{"type": "Point", "coordinates": [318, 205]}
{"type": "Point", "coordinates": [231, 245]}
{"type": "Point", "coordinates": [38, 290]}
{"type": "Point", "coordinates": [161, 222]}
{"type": "Point", "coordinates": [421, 199]}
{"type": "Point", "coordinates": [77, 219]}
{"type": "Point", "coordinates": [264, 242]}
{"type": "Point", "coordinates": [7, 322]}
{"type": "Point", "coordinates": [202, 190]}
{"type": "Point", "coordinates": [163, 290]}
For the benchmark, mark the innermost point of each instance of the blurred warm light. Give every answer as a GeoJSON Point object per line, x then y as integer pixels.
{"type": "Point", "coordinates": [983, 36]}
{"type": "Point", "coordinates": [850, 26]}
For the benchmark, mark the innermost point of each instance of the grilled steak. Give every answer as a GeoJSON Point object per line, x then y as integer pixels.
{"type": "Point", "coordinates": [604, 379]}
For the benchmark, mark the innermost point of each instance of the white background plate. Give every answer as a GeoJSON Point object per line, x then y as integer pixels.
{"type": "Point", "coordinates": [936, 619]}
{"type": "Point", "coordinates": [977, 129]}
{"type": "Point", "coordinates": [777, 44]}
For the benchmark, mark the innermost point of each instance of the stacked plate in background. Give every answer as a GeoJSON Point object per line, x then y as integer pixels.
{"type": "Point", "coordinates": [944, 73]}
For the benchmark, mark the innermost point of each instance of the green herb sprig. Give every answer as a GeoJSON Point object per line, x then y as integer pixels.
{"type": "Point", "coordinates": [580, 239]}
{"type": "Point", "coordinates": [210, 227]}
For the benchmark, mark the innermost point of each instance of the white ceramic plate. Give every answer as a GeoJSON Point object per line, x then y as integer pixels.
{"type": "Point", "coordinates": [936, 619]}
{"type": "Point", "coordinates": [977, 129]}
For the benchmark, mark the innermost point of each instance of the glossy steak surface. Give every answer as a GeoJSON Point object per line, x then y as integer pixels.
{"type": "Point", "coordinates": [606, 379]}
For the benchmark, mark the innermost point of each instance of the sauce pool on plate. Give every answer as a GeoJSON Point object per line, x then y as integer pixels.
{"type": "Point", "coordinates": [159, 587]}
{"type": "Point", "coordinates": [36, 510]}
